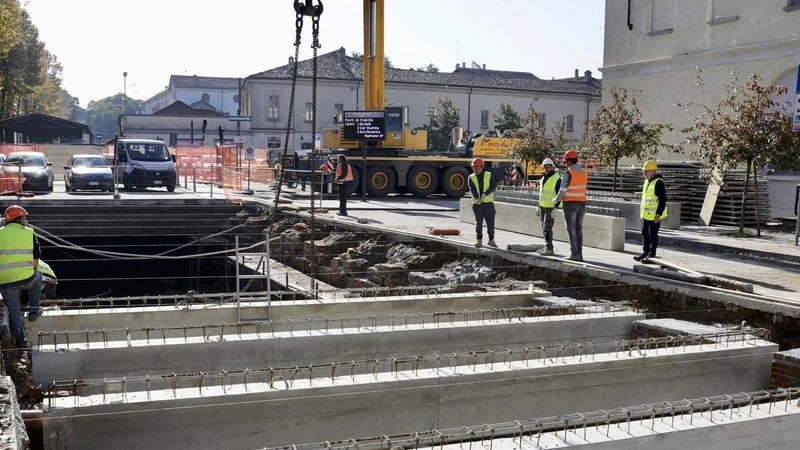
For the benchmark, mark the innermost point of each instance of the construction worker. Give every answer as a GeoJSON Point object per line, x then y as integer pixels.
{"type": "Point", "coordinates": [344, 177]}
{"type": "Point", "coordinates": [572, 193]}
{"type": "Point", "coordinates": [549, 186]}
{"type": "Point", "coordinates": [482, 186]}
{"type": "Point", "coordinates": [652, 209]}
{"type": "Point", "coordinates": [49, 280]}
{"type": "Point", "coordinates": [19, 261]}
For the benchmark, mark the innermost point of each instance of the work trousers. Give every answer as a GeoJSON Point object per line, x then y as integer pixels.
{"type": "Point", "coordinates": [484, 211]}
{"type": "Point", "coordinates": [546, 214]}
{"type": "Point", "coordinates": [573, 218]}
{"type": "Point", "coordinates": [650, 236]}
{"type": "Point", "coordinates": [11, 297]}
{"type": "Point", "coordinates": [343, 194]}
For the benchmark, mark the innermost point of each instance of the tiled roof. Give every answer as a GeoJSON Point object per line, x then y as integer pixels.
{"type": "Point", "coordinates": [180, 108]}
{"type": "Point", "coordinates": [338, 66]}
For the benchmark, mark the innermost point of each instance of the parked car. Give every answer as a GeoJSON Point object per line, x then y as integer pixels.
{"type": "Point", "coordinates": [88, 172]}
{"type": "Point", "coordinates": [36, 169]}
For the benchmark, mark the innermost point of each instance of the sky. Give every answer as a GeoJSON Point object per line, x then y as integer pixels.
{"type": "Point", "coordinates": [97, 40]}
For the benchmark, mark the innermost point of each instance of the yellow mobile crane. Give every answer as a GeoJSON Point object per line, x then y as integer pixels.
{"type": "Point", "coordinates": [401, 162]}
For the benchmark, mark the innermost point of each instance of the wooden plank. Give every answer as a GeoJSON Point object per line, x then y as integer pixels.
{"type": "Point", "coordinates": [669, 265]}
{"type": "Point", "coordinates": [712, 194]}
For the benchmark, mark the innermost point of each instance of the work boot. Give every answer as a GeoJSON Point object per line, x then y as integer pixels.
{"type": "Point", "coordinates": [491, 243]}
{"type": "Point", "coordinates": [478, 243]}
{"type": "Point", "coordinates": [546, 252]}
{"type": "Point", "coordinates": [341, 214]}
{"type": "Point", "coordinates": [33, 315]}
{"type": "Point", "coordinates": [575, 258]}
{"type": "Point", "coordinates": [641, 257]}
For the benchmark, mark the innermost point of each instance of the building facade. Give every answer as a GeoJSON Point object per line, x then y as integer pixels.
{"type": "Point", "coordinates": [477, 93]}
{"type": "Point", "coordinates": [657, 46]}
{"type": "Point", "coordinates": [214, 93]}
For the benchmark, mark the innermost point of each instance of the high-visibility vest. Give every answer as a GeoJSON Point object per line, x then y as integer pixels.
{"type": "Point", "coordinates": [16, 253]}
{"type": "Point", "coordinates": [649, 203]}
{"type": "Point", "coordinates": [578, 181]}
{"type": "Point", "coordinates": [46, 270]}
{"type": "Point", "coordinates": [347, 177]}
{"type": "Point", "coordinates": [547, 191]}
{"type": "Point", "coordinates": [487, 178]}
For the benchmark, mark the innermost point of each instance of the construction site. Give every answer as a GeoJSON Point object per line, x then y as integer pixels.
{"type": "Point", "coordinates": [236, 310]}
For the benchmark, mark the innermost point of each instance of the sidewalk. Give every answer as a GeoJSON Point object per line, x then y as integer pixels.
{"type": "Point", "coordinates": [704, 249]}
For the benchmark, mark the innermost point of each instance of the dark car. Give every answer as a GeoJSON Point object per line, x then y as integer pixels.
{"type": "Point", "coordinates": [88, 172]}
{"type": "Point", "coordinates": [36, 169]}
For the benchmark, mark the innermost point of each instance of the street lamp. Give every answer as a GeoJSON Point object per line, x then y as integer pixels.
{"type": "Point", "coordinates": [125, 89]}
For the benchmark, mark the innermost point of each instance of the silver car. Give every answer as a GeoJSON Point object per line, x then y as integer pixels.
{"type": "Point", "coordinates": [88, 172]}
{"type": "Point", "coordinates": [36, 169]}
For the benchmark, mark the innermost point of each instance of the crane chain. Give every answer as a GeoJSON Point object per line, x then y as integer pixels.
{"type": "Point", "coordinates": [315, 46]}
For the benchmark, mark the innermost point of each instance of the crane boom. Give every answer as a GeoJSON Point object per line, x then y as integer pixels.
{"type": "Point", "coordinates": [373, 55]}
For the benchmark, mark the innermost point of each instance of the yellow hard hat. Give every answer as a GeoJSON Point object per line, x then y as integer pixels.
{"type": "Point", "coordinates": [650, 164]}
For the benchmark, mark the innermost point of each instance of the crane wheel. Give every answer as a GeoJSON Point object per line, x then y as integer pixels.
{"type": "Point", "coordinates": [381, 181]}
{"type": "Point", "coordinates": [423, 180]}
{"type": "Point", "coordinates": [455, 181]}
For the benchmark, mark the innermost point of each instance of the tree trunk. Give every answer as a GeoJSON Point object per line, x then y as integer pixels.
{"type": "Point", "coordinates": [744, 198]}
{"type": "Point", "coordinates": [755, 186]}
{"type": "Point", "coordinates": [614, 177]}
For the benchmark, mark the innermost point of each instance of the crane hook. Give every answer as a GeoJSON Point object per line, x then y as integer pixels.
{"type": "Point", "coordinates": [308, 9]}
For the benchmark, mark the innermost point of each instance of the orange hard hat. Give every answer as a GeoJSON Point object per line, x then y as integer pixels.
{"type": "Point", "coordinates": [477, 162]}
{"type": "Point", "coordinates": [571, 154]}
{"type": "Point", "coordinates": [13, 213]}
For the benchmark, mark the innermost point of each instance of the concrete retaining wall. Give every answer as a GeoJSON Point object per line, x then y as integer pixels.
{"type": "Point", "coordinates": [388, 403]}
{"type": "Point", "coordinates": [115, 359]}
{"type": "Point", "coordinates": [598, 231]}
{"type": "Point", "coordinates": [631, 212]}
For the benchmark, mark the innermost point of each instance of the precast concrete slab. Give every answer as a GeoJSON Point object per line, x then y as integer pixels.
{"type": "Point", "coordinates": [281, 408]}
{"type": "Point", "coordinates": [405, 308]}
{"type": "Point", "coordinates": [255, 346]}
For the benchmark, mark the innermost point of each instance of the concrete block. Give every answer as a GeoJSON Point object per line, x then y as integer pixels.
{"type": "Point", "coordinates": [525, 247]}
{"type": "Point", "coordinates": [598, 231]}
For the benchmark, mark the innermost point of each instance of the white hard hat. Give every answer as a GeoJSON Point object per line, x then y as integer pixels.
{"type": "Point", "coordinates": [548, 161]}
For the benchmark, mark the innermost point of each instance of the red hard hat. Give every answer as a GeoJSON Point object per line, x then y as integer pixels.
{"type": "Point", "coordinates": [477, 162]}
{"type": "Point", "coordinates": [13, 213]}
{"type": "Point", "coordinates": [571, 154]}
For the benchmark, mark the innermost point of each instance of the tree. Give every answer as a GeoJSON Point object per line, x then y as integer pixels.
{"type": "Point", "coordinates": [506, 119]}
{"type": "Point", "coordinates": [20, 70]}
{"type": "Point", "coordinates": [429, 68]}
{"type": "Point", "coordinates": [534, 145]}
{"type": "Point", "coordinates": [444, 116]}
{"type": "Point", "coordinates": [747, 126]}
{"type": "Point", "coordinates": [10, 22]}
{"type": "Point", "coordinates": [102, 116]}
{"type": "Point", "coordinates": [617, 131]}
{"type": "Point", "coordinates": [561, 141]}
{"type": "Point", "coordinates": [387, 63]}
{"type": "Point", "coordinates": [47, 97]}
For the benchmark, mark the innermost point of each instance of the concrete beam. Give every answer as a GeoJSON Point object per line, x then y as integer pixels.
{"type": "Point", "coordinates": [233, 351]}
{"type": "Point", "coordinates": [319, 409]}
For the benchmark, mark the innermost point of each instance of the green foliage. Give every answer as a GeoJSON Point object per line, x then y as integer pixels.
{"type": "Point", "coordinates": [10, 22]}
{"type": "Point", "coordinates": [444, 116]}
{"type": "Point", "coordinates": [534, 145]}
{"type": "Point", "coordinates": [507, 119]}
{"type": "Point", "coordinates": [429, 68]}
{"type": "Point", "coordinates": [47, 97]}
{"type": "Point", "coordinates": [102, 116]}
{"type": "Point", "coordinates": [561, 141]}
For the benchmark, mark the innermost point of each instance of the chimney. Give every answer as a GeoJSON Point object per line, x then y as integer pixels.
{"type": "Point", "coordinates": [457, 66]}
{"type": "Point", "coordinates": [291, 62]}
{"type": "Point", "coordinates": [340, 55]}
{"type": "Point", "coordinates": [576, 74]}
{"type": "Point", "coordinates": [484, 67]}
{"type": "Point", "coordinates": [464, 65]}
{"type": "Point", "coordinates": [588, 74]}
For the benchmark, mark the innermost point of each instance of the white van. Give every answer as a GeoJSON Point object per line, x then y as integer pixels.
{"type": "Point", "coordinates": [143, 163]}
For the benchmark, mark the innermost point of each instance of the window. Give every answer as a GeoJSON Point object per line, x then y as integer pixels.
{"type": "Point", "coordinates": [569, 123]}
{"type": "Point", "coordinates": [543, 121]}
{"type": "Point", "coordinates": [273, 107]}
{"type": "Point", "coordinates": [309, 112]}
{"type": "Point", "coordinates": [338, 112]}
{"type": "Point", "coordinates": [662, 16]}
{"type": "Point", "coordinates": [724, 11]}
{"type": "Point", "coordinates": [484, 118]}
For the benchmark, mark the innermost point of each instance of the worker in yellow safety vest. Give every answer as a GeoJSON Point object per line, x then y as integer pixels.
{"type": "Point", "coordinates": [574, 183]}
{"type": "Point", "coordinates": [19, 261]}
{"type": "Point", "coordinates": [549, 186]}
{"type": "Point", "coordinates": [652, 210]}
{"type": "Point", "coordinates": [344, 181]}
{"type": "Point", "coordinates": [482, 186]}
{"type": "Point", "coordinates": [49, 280]}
